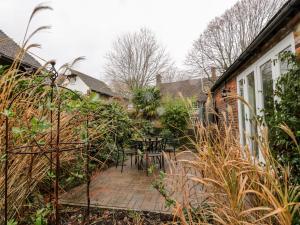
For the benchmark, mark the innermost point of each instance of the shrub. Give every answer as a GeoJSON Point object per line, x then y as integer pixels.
{"type": "Point", "coordinates": [143, 128]}
{"type": "Point", "coordinates": [113, 122]}
{"type": "Point", "coordinates": [118, 123]}
{"type": "Point", "coordinates": [109, 123]}
{"type": "Point", "coordinates": [286, 113]}
{"type": "Point", "coordinates": [146, 101]}
{"type": "Point", "coordinates": [175, 115]}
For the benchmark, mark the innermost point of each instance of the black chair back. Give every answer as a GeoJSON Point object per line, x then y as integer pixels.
{"type": "Point", "coordinates": [153, 145]}
{"type": "Point", "coordinates": [164, 143]}
{"type": "Point", "coordinates": [137, 145]}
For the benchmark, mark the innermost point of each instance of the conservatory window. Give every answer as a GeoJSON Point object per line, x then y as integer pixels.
{"type": "Point", "coordinates": [283, 64]}
{"type": "Point", "coordinates": [252, 113]}
{"type": "Point", "coordinates": [256, 84]}
{"type": "Point", "coordinates": [267, 85]}
{"type": "Point", "coordinates": [242, 112]}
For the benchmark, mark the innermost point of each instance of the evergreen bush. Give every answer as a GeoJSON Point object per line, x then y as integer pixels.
{"type": "Point", "coordinates": [287, 113]}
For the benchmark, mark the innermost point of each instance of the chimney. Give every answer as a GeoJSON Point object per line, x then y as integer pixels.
{"type": "Point", "coordinates": [213, 71]}
{"type": "Point", "coordinates": [158, 79]}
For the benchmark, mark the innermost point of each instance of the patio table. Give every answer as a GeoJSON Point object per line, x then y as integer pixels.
{"type": "Point", "coordinates": [149, 147]}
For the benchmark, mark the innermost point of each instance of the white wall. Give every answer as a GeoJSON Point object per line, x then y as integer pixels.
{"type": "Point", "coordinates": [78, 85]}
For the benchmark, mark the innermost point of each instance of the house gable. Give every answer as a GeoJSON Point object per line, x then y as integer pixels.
{"type": "Point", "coordinates": [86, 84]}
{"type": "Point", "coordinates": [75, 83]}
{"type": "Point", "coordinates": [9, 50]}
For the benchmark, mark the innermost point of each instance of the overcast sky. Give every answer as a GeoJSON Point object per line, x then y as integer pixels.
{"type": "Point", "coordinates": [88, 27]}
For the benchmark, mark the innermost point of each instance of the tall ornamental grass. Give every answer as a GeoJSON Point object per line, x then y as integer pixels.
{"type": "Point", "coordinates": [217, 181]}
{"type": "Point", "coordinates": [30, 124]}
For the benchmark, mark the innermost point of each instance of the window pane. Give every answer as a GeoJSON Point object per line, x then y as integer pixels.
{"type": "Point", "coordinates": [267, 82]}
{"type": "Point", "coordinates": [252, 121]}
{"type": "Point", "coordinates": [242, 112]}
{"type": "Point", "coordinates": [284, 67]}
{"type": "Point", "coordinates": [202, 112]}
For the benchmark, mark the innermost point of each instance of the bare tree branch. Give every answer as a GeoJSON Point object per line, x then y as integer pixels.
{"type": "Point", "coordinates": [135, 60]}
{"type": "Point", "coordinates": [227, 36]}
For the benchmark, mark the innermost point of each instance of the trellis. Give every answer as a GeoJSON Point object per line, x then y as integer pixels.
{"type": "Point", "coordinates": [51, 151]}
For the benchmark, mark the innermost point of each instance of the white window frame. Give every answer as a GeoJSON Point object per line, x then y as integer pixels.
{"type": "Point", "coordinates": [272, 55]}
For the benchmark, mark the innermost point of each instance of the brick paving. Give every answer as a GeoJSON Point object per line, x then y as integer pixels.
{"type": "Point", "coordinates": [133, 190]}
{"type": "Point", "coordinates": [130, 190]}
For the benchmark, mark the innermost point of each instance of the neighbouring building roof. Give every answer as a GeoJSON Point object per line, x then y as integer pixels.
{"type": "Point", "coordinates": [187, 88]}
{"type": "Point", "coordinates": [279, 20]}
{"type": "Point", "coordinates": [93, 83]}
{"type": "Point", "coordinates": [9, 49]}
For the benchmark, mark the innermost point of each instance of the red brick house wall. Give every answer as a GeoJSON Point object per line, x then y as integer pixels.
{"type": "Point", "coordinates": [230, 116]}
{"type": "Point", "coordinates": [297, 36]}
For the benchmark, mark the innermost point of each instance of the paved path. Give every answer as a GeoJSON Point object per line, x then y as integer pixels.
{"type": "Point", "coordinates": [131, 190]}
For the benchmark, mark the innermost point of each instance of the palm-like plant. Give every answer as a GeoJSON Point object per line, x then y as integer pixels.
{"type": "Point", "coordinates": [146, 101]}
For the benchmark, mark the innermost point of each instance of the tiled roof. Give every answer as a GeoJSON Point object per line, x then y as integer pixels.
{"type": "Point", "coordinates": [9, 49]}
{"type": "Point", "coordinates": [187, 88]}
{"type": "Point", "coordinates": [93, 83]}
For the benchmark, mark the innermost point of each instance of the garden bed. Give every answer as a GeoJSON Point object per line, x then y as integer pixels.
{"type": "Point", "coordinates": [75, 216]}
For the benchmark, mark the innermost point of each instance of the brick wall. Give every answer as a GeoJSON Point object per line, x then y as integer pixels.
{"type": "Point", "coordinates": [228, 106]}
{"type": "Point", "coordinates": [297, 37]}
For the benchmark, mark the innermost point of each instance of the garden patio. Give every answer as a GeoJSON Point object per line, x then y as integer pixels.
{"type": "Point", "coordinates": [111, 189]}
{"type": "Point", "coordinates": [132, 189]}
{"type": "Point", "coordinates": [70, 146]}
{"type": "Point", "coordinates": [74, 158]}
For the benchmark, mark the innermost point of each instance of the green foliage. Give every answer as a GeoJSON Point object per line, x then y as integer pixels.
{"type": "Point", "coordinates": [9, 113]}
{"type": "Point", "coordinates": [40, 217]}
{"type": "Point", "coordinates": [159, 185]}
{"type": "Point", "coordinates": [146, 101]}
{"type": "Point", "coordinates": [142, 128]}
{"type": "Point", "coordinates": [12, 222]}
{"type": "Point", "coordinates": [37, 126]}
{"type": "Point", "coordinates": [2, 69]}
{"type": "Point", "coordinates": [2, 157]}
{"type": "Point", "coordinates": [112, 121]}
{"type": "Point", "coordinates": [85, 104]}
{"type": "Point", "coordinates": [175, 116]}
{"type": "Point", "coordinates": [287, 112]}
{"type": "Point", "coordinates": [166, 134]}
{"type": "Point", "coordinates": [51, 174]}
{"type": "Point", "coordinates": [73, 174]}
{"type": "Point", "coordinates": [118, 124]}
{"type": "Point", "coordinates": [135, 216]}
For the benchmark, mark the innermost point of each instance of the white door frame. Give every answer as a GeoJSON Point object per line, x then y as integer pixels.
{"type": "Point", "coordinates": [272, 55]}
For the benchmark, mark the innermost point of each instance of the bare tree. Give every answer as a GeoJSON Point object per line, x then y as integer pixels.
{"type": "Point", "coordinates": [174, 74]}
{"type": "Point", "coordinates": [170, 75]}
{"type": "Point", "coordinates": [227, 36]}
{"type": "Point", "coordinates": [136, 59]}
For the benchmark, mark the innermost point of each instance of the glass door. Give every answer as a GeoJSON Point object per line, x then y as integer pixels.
{"type": "Point", "coordinates": [247, 112]}
{"type": "Point", "coordinates": [251, 120]}
{"type": "Point", "coordinates": [267, 88]}
{"type": "Point", "coordinates": [242, 112]}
